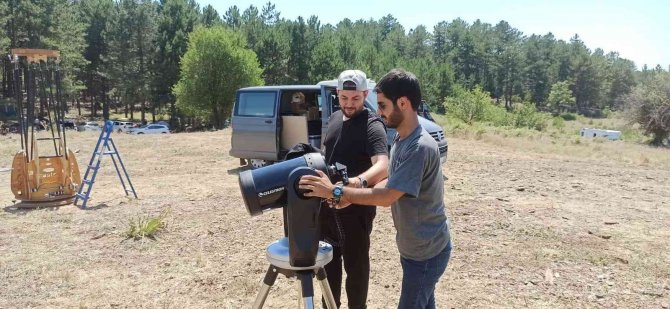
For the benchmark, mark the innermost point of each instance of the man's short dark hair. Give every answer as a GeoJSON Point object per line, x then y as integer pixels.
{"type": "Point", "coordinates": [400, 83]}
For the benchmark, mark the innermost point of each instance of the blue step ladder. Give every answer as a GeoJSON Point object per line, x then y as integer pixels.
{"type": "Point", "coordinates": [104, 147]}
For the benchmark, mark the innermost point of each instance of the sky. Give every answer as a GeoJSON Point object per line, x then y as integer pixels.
{"type": "Point", "coordinates": [638, 30]}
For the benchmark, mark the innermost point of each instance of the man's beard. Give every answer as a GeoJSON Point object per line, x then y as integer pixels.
{"type": "Point", "coordinates": [395, 118]}
{"type": "Point", "coordinates": [352, 114]}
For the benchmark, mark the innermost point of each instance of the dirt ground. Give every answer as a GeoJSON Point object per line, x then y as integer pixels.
{"type": "Point", "coordinates": [530, 229]}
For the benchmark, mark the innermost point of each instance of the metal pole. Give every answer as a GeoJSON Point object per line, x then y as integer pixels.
{"type": "Point", "coordinates": [268, 281]}
{"type": "Point", "coordinates": [43, 98]}
{"type": "Point", "coordinates": [30, 110]}
{"type": "Point", "coordinates": [325, 289]}
{"type": "Point", "coordinates": [18, 95]}
{"type": "Point", "coordinates": [59, 103]}
{"type": "Point", "coordinates": [307, 289]}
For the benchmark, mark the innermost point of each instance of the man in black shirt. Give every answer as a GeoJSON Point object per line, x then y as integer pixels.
{"type": "Point", "coordinates": [356, 137]}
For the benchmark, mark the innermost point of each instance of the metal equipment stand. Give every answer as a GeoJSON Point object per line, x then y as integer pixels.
{"type": "Point", "coordinates": [278, 256]}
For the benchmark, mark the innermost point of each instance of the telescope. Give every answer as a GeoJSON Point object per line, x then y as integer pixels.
{"type": "Point", "coordinates": [276, 186]}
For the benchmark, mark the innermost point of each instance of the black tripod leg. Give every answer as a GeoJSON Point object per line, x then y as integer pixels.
{"type": "Point", "coordinates": [268, 281]}
{"type": "Point", "coordinates": [307, 289]}
{"type": "Point", "coordinates": [325, 289]}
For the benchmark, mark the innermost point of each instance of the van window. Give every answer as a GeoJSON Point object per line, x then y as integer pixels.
{"type": "Point", "coordinates": [256, 104]}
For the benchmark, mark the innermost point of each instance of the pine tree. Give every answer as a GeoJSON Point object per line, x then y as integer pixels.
{"type": "Point", "coordinates": [176, 19]}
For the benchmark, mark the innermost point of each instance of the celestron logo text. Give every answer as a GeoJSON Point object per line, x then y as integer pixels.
{"type": "Point", "coordinates": [266, 193]}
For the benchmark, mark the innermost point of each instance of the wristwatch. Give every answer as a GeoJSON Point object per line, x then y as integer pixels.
{"type": "Point", "coordinates": [338, 192]}
{"type": "Point", "coordinates": [364, 182]}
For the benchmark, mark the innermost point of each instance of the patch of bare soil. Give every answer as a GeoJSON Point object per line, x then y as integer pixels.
{"type": "Point", "coordinates": [530, 229]}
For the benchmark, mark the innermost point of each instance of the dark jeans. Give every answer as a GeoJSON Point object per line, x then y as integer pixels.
{"type": "Point", "coordinates": [355, 253]}
{"type": "Point", "coordinates": [419, 279]}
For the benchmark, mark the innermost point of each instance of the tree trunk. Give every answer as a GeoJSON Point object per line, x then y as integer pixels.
{"type": "Point", "coordinates": [78, 107]}
{"type": "Point", "coordinates": [216, 117]}
{"type": "Point", "coordinates": [132, 109]}
{"type": "Point", "coordinates": [105, 106]}
{"type": "Point", "coordinates": [141, 71]}
{"type": "Point", "coordinates": [659, 136]}
{"type": "Point", "coordinates": [94, 106]}
{"type": "Point", "coordinates": [173, 113]}
{"type": "Point", "coordinates": [142, 113]}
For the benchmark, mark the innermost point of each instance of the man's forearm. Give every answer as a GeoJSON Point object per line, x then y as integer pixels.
{"type": "Point", "coordinates": [377, 172]}
{"type": "Point", "coordinates": [368, 196]}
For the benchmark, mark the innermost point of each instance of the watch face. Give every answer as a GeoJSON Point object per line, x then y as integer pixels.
{"type": "Point", "coordinates": [337, 191]}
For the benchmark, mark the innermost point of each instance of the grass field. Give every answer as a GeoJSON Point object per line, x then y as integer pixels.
{"type": "Point", "coordinates": [538, 220]}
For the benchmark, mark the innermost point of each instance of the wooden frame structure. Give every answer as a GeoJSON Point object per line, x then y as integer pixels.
{"type": "Point", "coordinates": [41, 180]}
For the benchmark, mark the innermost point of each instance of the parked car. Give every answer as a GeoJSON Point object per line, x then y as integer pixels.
{"type": "Point", "coordinates": [68, 124]}
{"type": "Point", "coordinates": [260, 137]}
{"type": "Point", "coordinates": [162, 122]}
{"type": "Point", "coordinates": [122, 126]}
{"type": "Point", "coordinates": [15, 127]}
{"type": "Point", "coordinates": [150, 129]}
{"type": "Point", "coordinates": [89, 126]}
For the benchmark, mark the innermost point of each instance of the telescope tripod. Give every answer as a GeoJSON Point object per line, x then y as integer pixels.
{"type": "Point", "coordinates": [277, 254]}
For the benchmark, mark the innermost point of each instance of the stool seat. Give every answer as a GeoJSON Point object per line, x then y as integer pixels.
{"type": "Point", "coordinates": [278, 255]}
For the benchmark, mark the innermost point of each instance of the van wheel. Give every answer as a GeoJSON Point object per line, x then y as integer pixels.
{"type": "Point", "coordinates": [257, 163]}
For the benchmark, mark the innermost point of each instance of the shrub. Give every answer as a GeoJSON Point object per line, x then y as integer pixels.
{"type": "Point", "coordinates": [468, 106]}
{"type": "Point", "coordinates": [498, 116]}
{"type": "Point", "coordinates": [568, 116]}
{"type": "Point", "coordinates": [649, 105]}
{"type": "Point", "coordinates": [527, 117]}
{"type": "Point", "coordinates": [558, 122]}
{"type": "Point", "coordinates": [146, 226]}
{"type": "Point", "coordinates": [607, 112]}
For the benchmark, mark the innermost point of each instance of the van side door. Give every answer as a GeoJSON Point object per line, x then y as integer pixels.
{"type": "Point", "coordinates": [329, 105]}
{"type": "Point", "coordinates": [255, 125]}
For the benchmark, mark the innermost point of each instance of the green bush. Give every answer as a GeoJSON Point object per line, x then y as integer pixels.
{"type": "Point", "coordinates": [475, 106]}
{"type": "Point", "coordinates": [568, 116]}
{"type": "Point", "coordinates": [469, 106]}
{"type": "Point", "coordinates": [498, 116]}
{"type": "Point", "coordinates": [526, 116]}
{"type": "Point", "coordinates": [607, 112]}
{"type": "Point", "coordinates": [632, 134]}
{"type": "Point", "coordinates": [558, 122]}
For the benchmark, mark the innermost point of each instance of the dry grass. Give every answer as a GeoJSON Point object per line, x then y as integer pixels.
{"type": "Point", "coordinates": [566, 141]}
{"type": "Point", "coordinates": [535, 224]}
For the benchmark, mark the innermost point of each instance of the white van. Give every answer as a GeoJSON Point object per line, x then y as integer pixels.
{"type": "Point", "coordinates": [608, 134]}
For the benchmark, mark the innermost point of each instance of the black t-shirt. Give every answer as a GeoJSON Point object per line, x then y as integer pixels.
{"type": "Point", "coordinates": [355, 141]}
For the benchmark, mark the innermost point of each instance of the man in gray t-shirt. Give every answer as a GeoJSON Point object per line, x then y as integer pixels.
{"type": "Point", "coordinates": [418, 215]}
{"type": "Point", "coordinates": [414, 190]}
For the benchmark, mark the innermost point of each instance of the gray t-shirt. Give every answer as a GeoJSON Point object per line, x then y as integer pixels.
{"type": "Point", "coordinates": [419, 216]}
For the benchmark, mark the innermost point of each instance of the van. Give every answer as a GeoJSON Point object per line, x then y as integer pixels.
{"type": "Point", "coordinates": [268, 120]}
{"type": "Point", "coordinates": [424, 111]}
{"type": "Point", "coordinates": [611, 135]}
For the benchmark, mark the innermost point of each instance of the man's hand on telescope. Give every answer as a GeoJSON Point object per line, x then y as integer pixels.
{"type": "Point", "coordinates": [319, 186]}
